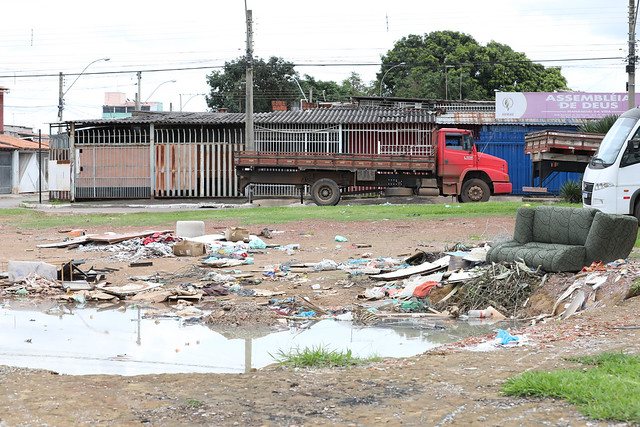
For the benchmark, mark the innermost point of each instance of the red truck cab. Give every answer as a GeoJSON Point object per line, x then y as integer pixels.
{"type": "Point", "coordinates": [471, 175]}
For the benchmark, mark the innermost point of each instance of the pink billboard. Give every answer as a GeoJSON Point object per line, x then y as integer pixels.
{"type": "Point", "coordinates": [559, 105]}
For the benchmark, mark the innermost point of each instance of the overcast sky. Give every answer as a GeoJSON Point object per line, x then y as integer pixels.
{"type": "Point", "coordinates": [39, 39]}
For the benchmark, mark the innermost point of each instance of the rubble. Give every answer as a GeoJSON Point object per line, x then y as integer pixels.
{"type": "Point", "coordinates": [453, 283]}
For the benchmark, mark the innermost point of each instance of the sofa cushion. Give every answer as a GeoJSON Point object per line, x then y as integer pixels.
{"type": "Point", "coordinates": [553, 257]}
{"type": "Point", "coordinates": [612, 237]}
{"type": "Point", "coordinates": [563, 225]}
{"type": "Point", "coordinates": [523, 231]}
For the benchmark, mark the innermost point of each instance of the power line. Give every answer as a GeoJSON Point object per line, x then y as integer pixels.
{"type": "Point", "coordinates": [313, 64]}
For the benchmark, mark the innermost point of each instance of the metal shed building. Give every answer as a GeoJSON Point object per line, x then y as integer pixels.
{"type": "Point", "coordinates": [191, 154]}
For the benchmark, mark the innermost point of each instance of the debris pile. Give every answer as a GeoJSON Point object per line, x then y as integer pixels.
{"type": "Point", "coordinates": [505, 286]}
{"type": "Point", "coordinates": [450, 284]}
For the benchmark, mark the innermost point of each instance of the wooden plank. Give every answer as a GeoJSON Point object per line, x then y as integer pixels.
{"type": "Point", "coordinates": [534, 189]}
{"type": "Point", "coordinates": [423, 268]}
{"type": "Point", "coordinates": [76, 241]}
{"type": "Point", "coordinates": [117, 237]}
{"type": "Point", "coordinates": [129, 289]}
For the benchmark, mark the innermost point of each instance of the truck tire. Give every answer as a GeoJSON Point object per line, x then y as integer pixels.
{"type": "Point", "coordinates": [474, 190]}
{"type": "Point", "coordinates": [325, 192]}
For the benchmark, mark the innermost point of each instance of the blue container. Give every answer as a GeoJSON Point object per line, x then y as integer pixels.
{"type": "Point", "coordinates": [507, 142]}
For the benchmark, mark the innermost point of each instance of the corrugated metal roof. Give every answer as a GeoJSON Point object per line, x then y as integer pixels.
{"type": "Point", "coordinates": [489, 118]}
{"type": "Point", "coordinates": [13, 143]}
{"type": "Point", "coordinates": [311, 116]}
{"type": "Point", "coordinates": [346, 116]}
{"type": "Point", "coordinates": [168, 118]}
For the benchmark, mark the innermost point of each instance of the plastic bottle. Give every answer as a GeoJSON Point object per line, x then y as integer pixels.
{"type": "Point", "coordinates": [480, 313]}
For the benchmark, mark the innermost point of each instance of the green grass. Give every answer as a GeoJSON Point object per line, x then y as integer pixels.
{"type": "Point", "coordinates": [319, 357]}
{"type": "Point", "coordinates": [29, 219]}
{"type": "Point", "coordinates": [193, 403]}
{"type": "Point", "coordinates": [608, 390]}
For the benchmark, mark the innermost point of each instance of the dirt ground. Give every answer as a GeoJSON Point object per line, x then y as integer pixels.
{"type": "Point", "coordinates": [450, 385]}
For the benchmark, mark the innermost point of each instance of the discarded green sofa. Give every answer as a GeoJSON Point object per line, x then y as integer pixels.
{"type": "Point", "coordinates": [566, 239]}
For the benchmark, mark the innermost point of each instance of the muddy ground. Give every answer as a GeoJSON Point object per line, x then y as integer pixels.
{"type": "Point", "coordinates": [450, 385]}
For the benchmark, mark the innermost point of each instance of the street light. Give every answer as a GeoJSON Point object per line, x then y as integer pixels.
{"type": "Point", "coordinates": [62, 94]}
{"type": "Point", "coordinates": [154, 91]}
{"type": "Point", "coordinates": [385, 74]}
{"type": "Point", "coordinates": [193, 95]}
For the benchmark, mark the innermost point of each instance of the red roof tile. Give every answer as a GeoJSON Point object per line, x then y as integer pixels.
{"type": "Point", "coordinates": [11, 142]}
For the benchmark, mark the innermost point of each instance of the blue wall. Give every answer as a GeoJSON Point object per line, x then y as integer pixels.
{"type": "Point", "coordinates": [507, 142]}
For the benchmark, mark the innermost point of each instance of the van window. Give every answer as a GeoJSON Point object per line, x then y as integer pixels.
{"type": "Point", "coordinates": [631, 154]}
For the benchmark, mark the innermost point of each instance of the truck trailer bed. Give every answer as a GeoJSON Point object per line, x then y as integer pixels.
{"type": "Point", "coordinates": [330, 161]}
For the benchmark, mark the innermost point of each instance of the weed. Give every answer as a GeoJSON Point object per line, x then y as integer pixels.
{"type": "Point", "coordinates": [571, 191]}
{"type": "Point", "coordinates": [193, 403]}
{"type": "Point", "coordinates": [634, 289]}
{"type": "Point", "coordinates": [318, 357]}
{"type": "Point", "coordinates": [608, 390]}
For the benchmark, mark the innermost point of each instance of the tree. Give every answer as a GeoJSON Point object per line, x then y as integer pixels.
{"type": "Point", "coordinates": [275, 80]}
{"type": "Point", "coordinates": [272, 80]}
{"type": "Point", "coordinates": [330, 91]}
{"type": "Point", "coordinates": [452, 65]}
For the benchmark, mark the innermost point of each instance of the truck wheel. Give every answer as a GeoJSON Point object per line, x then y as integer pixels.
{"type": "Point", "coordinates": [325, 192]}
{"type": "Point", "coordinates": [475, 190]}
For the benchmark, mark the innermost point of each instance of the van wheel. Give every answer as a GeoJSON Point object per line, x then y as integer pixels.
{"type": "Point", "coordinates": [325, 192]}
{"type": "Point", "coordinates": [475, 190]}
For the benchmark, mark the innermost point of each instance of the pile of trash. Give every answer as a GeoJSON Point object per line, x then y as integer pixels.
{"type": "Point", "coordinates": [595, 286]}
{"type": "Point", "coordinates": [132, 250]}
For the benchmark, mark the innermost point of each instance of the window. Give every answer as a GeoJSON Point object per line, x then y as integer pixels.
{"type": "Point", "coordinates": [453, 142]}
{"type": "Point", "coordinates": [631, 154]}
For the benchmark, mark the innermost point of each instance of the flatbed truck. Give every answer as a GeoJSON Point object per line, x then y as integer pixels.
{"type": "Point", "coordinates": [450, 165]}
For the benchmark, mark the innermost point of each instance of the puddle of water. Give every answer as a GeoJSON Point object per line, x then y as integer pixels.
{"type": "Point", "coordinates": [90, 341]}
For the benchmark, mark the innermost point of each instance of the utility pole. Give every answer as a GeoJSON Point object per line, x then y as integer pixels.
{"type": "Point", "coordinates": [631, 64]}
{"type": "Point", "coordinates": [139, 94]}
{"type": "Point", "coordinates": [249, 143]}
{"type": "Point", "coordinates": [60, 98]}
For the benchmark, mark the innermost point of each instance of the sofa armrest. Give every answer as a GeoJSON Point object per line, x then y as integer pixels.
{"type": "Point", "coordinates": [611, 237]}
{"type": "Point", "coordinates": [523, 232]}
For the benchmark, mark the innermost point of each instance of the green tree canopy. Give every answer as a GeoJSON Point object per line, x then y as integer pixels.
{"type": "Point", "coordinates": [330, 91]}
{"type": "Point", "coordinates": [273, 80]}
{"type": "Point", "coordinates": [452, 65]}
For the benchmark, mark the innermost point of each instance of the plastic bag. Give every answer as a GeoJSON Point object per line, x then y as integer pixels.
{"type": "Point", "coordinates": [257, 243]}
{"type": "Point", "coordinates": [326, 265]}
{"type": "Point", "coordinates": [505, 337]}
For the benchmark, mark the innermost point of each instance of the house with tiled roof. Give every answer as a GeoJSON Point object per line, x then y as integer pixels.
{"type": "Point", "coordinates": [23, 162]}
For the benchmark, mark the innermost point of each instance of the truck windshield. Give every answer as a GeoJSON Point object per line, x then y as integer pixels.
{"type": "Point", "coordinates": [612, 143]}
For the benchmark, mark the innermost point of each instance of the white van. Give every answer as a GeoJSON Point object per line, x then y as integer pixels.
{"type": "Point", "coordinates": [611, 181]}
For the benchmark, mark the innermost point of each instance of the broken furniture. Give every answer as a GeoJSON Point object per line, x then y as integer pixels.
{"type": "Point", "coordinates": [566, 239]}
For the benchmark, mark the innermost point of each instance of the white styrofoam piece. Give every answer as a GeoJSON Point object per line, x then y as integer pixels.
{"type": "Point", "coordinates": [189, 228]}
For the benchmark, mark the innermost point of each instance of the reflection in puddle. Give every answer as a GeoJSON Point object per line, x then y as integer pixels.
{"type": "Point", "coordinates": [90, 341]}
